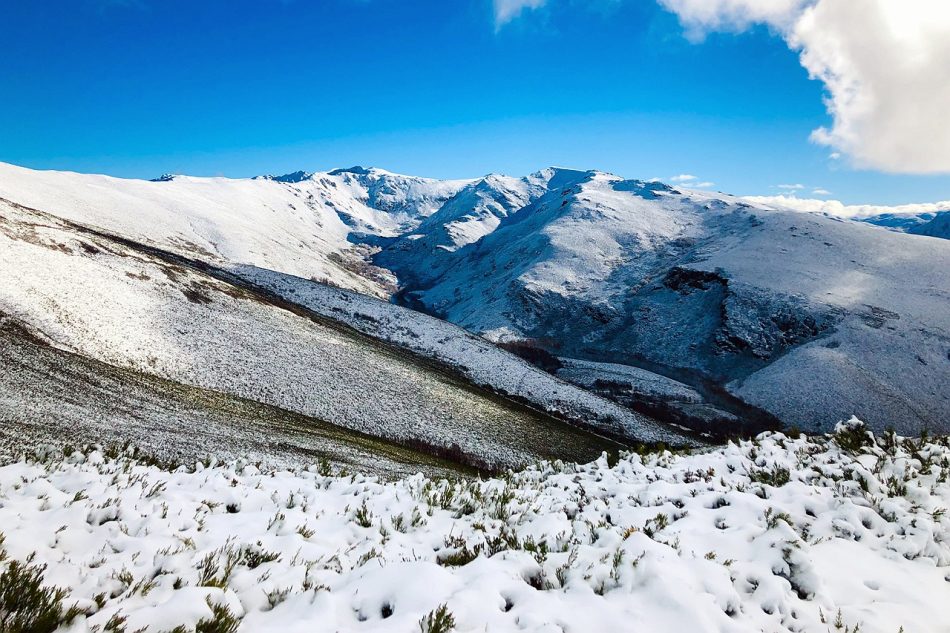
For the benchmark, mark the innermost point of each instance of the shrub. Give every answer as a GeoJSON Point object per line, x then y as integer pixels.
{"type": "Point", "coordinates": [26, 605]}
{"type": "Point", "coordinates": [439, 620]}
{"type": "Point", "coordinates": [777, 476]}
{"type": "Point", "coordinates": [221, 621]}
{"type": "Point", "coordinates": [532, 352]}
{"type": "Point", "coordinates": [255, 556]}
{"type": "Point", "coordinates": [853, 435]}
{"type": "Point", "coordinates": [363, 516]}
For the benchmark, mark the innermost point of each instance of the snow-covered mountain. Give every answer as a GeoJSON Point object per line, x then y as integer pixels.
{"type": "Point", "coordinates": [937, 226]}
{"type": "Point", "coordinates": [738, 310]}
{"type": "Point", "coordinates": [808, 317]}
{"type": "Point", "coordinates": [920, 219]}
{"type": "Point", "coordinates": [930, 223]}
{"type": "Point", "coordinates": [109, 302]}
{"type": "Point", "coordinates": [298, 224]}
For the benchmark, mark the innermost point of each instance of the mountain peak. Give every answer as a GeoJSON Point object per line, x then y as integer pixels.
{"type": "Point", "coordinates": [296, 176]}
{"type": "Point", "coordinates": [359, 170]}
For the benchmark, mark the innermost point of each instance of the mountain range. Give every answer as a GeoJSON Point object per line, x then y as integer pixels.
{"type": "Point", "coordinates": [500, 319]}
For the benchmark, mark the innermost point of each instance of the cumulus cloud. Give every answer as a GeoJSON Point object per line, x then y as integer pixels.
{"type": "Point", "coordinates": [507, 10]}
{"type": "Point", "coordinates": [820, 192]}
{"type": "Point", "coordinates": [682, 178]}
{"type": "Point", "coordinates": [855, 211]}
{"type": "Point", "coordinates": [885, 64]}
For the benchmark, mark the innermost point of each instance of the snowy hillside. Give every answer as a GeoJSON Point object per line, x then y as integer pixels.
{"type": "Point", "coordinates": [772, 316]}
{"type": "Point", "coordinates": [50, 396]}
{"type": "Point", "coordinates": [127, 307]}
{"type": "Point", "coordinates": [776, 534]}
{"type": "Point", "coordinates": [477, 359]}
{"type": "Point", "coordinates": [294, 225]}
{"type": "Point", "coordinates": [807, 317]}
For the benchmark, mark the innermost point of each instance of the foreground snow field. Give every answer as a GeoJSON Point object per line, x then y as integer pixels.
{"type": "Point", "coordinates": [775, 534]}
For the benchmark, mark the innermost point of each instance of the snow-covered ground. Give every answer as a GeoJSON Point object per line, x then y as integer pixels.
{"type": "Point", "coordinates": [774, 534]}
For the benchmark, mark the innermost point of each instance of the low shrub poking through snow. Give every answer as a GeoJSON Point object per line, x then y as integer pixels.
{"type": "Point", "coordinates": [832, 533]}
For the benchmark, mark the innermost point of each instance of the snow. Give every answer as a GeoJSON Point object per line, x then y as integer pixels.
{"type": "Point", "coordinates": [773, 534]}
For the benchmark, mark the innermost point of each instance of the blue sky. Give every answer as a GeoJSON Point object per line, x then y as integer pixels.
{"type": "Point", "coordinates": [243, 87]}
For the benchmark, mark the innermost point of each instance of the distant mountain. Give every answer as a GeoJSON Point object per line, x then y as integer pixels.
{"type": "Point", "coordinates": [938, 226]}
{"type": "Point", "coordinates": [932, 224]}
{"type": "Point", "coordinates": [702, 309]}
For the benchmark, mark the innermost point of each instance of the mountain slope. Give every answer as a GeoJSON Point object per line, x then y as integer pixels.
{"type": "Point", "coordinates": [52, 397]}
{"type": "Point", "coordinates": [938, 226]}
{"type": "Point", "coordinates": [297, 225]}
{"type": "Point", "coordinates": [106, 300]}
{"type": "Point", "coordinates": [810, 318]}
{"type": "Point", "coordinates": [475, 358]}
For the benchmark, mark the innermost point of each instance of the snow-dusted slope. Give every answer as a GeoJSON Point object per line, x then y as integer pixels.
{"type": "Point", "coordinates": [778, 534]}
{"type": "Point", "coordinates": [808, 317]}
{"type": "Point", "coordinates": [298, 225]}
{"type": "Point", "coordinates": [124, 306]}
{"type": "Point", "coordinates": [49, 396]}
{"type": "Point", "coordinates": [477, 359]}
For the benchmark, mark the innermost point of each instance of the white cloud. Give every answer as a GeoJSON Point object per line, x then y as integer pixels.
{"type": "Point", "coordinates": [702, 16]}
{"type": "Point", "coordinates": [508, 10]}
{"type": "Point", "coordinates": [841, 210]}
{"type": "Point", "coordinates": [791, 187]}
{"type": "Point", "coordinates": [885, 63]}
{"type": "Point", "coordinates": [820, 192]}
{"type": "Point", "coordinates": [689, 180]}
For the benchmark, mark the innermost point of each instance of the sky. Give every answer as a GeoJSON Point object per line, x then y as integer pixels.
{"type": "Point", "coordinates": [752, 97]}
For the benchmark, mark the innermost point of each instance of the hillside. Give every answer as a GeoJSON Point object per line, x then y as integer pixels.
{"type": "Point", "coordinates": [50, 397]}
{"type": "Point", "coordinates": [138, 309]}
{"type": "Point", "coordinates": [767, 315]}
{"type": "Point", "coordinates": [805, 316]}
{"type": "Point", "coordinates": [297, 224]}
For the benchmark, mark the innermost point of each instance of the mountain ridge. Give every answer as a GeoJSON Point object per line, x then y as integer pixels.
{"type": "Point", "coordinates": [740, 300]}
